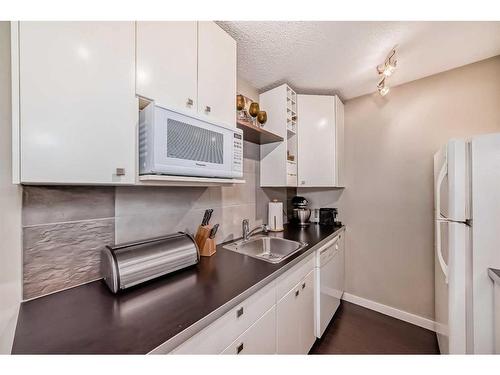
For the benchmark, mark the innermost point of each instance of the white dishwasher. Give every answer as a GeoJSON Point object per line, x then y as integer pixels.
{"type": "Point", "coordinates": [329, 281]}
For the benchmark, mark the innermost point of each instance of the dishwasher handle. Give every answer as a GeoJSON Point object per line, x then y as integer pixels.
{"type": "Point", "coordinates": [329, 244]}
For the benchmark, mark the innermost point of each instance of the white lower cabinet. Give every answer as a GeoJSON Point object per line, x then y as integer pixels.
{"type": "Point", "coordinates": [306, 323]}
{"type": "Point", "coordinates": [215, 338]}
{"type": "Point", "coordinates": [295, 318]}
{"type": "Point", "coordinates": [260, 338]}
{"type": "Point", "coordinates": [279, 318]}
{"type": "Point", "coordinates": [287, 329]}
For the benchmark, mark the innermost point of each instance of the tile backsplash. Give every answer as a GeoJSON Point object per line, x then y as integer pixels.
{"type": "Point", "coordinates": [65, 228]}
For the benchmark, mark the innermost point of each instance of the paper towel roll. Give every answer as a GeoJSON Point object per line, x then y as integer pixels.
{"type": "Point", "coordinates": [275, 216]}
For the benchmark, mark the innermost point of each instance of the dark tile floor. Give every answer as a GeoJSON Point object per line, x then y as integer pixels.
{"type": "Point", "coordinates": [357, 330]}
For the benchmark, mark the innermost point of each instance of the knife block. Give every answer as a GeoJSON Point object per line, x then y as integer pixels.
{"type": "Point", "coordinates": [206, 245]}
{"type": "Point", "coordinates": [209, 248]}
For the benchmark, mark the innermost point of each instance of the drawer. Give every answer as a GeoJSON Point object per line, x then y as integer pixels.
{"type": "Point", "coordinates": [260, 338]}
{"type": "Point", "coordinates": [221, 333]}
{"type": "Point", "coordinates": [293, 276]}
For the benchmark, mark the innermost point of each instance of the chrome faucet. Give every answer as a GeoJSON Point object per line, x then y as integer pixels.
{"type": "Point", "coordinates": [247, 232]}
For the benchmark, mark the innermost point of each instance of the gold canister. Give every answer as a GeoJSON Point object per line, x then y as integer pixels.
{"type": "Point", "coordinates": [240, 102]}
{"type": "Point", "coordinates": [254, 109]}
{"type": "Point", "coordinates": [262, 117]}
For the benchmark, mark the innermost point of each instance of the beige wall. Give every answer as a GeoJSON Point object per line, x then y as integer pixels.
{"type": "Point", "coordinates": [388, 202]}
{"type": "Point", "coordinates": [10, 207]}
{"type": "Point", "coordinates": [245, 88]}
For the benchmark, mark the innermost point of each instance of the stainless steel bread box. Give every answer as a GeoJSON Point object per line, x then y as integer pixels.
{"type": "Point", "coordinates": [129, 264]}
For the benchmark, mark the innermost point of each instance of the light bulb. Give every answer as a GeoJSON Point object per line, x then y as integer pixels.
{"type": "Point", "coordinates": [389, 69]}
{"type": "Point", "coordinates": [384, 90]}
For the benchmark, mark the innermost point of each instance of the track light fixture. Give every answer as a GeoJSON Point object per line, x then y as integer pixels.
{"type": "Point", "coordinates": [386, 69]}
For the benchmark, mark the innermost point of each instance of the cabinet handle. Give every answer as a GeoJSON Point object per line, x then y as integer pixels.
{"type": "Point", "coordinates": [239, 312]}
{"type": "Point", "coordinates": [239, 348]}
{"type": "Point", "coordinates": [208, 109]}
{"type": "Point", "coordinates": [189, 102]}
{"type": "Point", "coordinates": [302, 182]}
{"type": "Point", "coordinates": [120, 171]}
{"type": "Point", "coordinates": [296, 293]}
{"type": "Point", "coordinates": [303, 285]}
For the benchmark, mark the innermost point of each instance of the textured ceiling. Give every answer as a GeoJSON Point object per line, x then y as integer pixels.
{"type": "Point", "coordinates": [341, 57]}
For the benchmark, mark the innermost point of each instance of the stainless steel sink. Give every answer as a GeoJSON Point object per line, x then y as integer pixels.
{"type": "Point", "coordinates": [269, 249]}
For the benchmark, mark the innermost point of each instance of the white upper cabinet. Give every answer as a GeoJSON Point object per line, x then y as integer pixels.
{"type": "Point", "coordinates": [320, 141]}
{"type": "Point", "coordinates": [339, 142]}
{"type": "Point", "coordinates": [189, 67]}
{"type": "Point", "coordinates": [216, 74]}
{"type": "Point", "coordinates": [77, 105]}
{"type": "Point", "coordinates": [75, 87]}
{"type": "Point", "coordinates": [167, 63]}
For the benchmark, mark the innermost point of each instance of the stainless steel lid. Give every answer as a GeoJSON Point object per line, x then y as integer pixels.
{"type": "Point", "coordinates": [132, 263]}
{"type": "Point", "coordinates": [298, 201]}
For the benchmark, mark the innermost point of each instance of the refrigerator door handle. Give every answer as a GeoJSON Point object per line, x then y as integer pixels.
{"type": "Point", "coordinates": [467, 222]}
{"type": "Point", "coordinates": [438, 221]}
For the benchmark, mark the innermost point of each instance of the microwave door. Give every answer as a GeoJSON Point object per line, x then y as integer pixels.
{"type": "Point", "coordinates": [192, 147]}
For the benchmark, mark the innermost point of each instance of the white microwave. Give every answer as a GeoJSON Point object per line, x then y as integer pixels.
{"type": "Point", "coordinates": [177, 144]}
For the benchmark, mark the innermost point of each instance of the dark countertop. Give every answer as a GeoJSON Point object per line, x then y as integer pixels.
{"type": "Point", "coordinates": [156, 316]}
{"type": "Point", "coordinates": [494, 274]}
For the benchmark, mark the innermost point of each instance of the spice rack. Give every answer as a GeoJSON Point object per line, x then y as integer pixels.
{"type": "Point", "coordinates": [279, 160]}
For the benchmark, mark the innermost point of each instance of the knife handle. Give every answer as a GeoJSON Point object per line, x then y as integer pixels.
{"type": "Point", "coordinates": [213, 231]}
{"type": "Point", "coordinates": [209, 215]}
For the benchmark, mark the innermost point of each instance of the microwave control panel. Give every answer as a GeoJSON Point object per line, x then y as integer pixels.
{"type": "Point", "coordinates": [238, 155]}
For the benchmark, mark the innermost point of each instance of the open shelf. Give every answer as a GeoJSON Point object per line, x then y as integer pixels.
{"type": "Point", "coordinates": [255, 134]}
{"type": "Point", "coordinates": [164, 180]}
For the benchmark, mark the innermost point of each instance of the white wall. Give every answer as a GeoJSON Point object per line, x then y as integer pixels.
{"type": "Point", "coordinates": [10, 207]}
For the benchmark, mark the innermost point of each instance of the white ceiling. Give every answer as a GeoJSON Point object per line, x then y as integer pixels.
{"type": "Point", "coordinates": [341, 57]}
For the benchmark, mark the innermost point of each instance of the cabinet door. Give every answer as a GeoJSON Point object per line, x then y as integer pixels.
{"type": "Point", "coordinates": [316, 141]}
{"type": "Point", "coordinates": [216, 74]}
{"type": "Point", "coordinates": [221, 333]}
{"type": "Point", "coordinates": [78, 108]}
{"type": "Point", "coordinates": [339, 142]}
{"type": "Point", "coordinates": [167, 63]}
{"type": "Point", "coordinates": [288, 318]}
{"type": "Point", "coordinates": [306, 320]}
{"type": "Point", "coordinates": [260, 338]}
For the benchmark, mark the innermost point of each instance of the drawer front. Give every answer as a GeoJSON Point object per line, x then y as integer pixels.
{"type": "Point", "coordinates": [260, 338]}
{"type": "Point", "coordinates": [292, 277]}
{"type": "Point", "coordinates": [221, 333]}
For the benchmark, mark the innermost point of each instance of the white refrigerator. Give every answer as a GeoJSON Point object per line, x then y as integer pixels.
{"type": "Point", "coordinates": [467, 242]}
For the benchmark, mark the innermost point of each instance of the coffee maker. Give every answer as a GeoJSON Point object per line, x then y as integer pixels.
{"type": "Point", "coordinates": [300, 211]}
{"type": "Point", "coordinates": [328, 216]}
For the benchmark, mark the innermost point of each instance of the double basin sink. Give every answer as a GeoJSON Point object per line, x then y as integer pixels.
{"type": "Point", "coordinates": [269, 249]}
